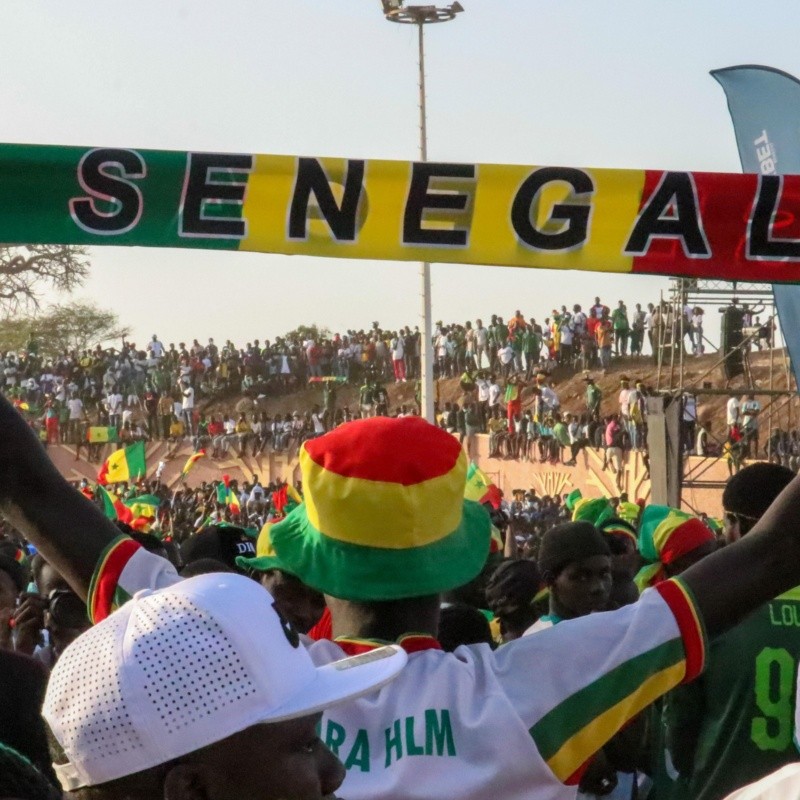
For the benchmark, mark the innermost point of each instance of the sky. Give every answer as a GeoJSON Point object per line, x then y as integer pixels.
{"type": "Point", "coordinates": [592, 83]}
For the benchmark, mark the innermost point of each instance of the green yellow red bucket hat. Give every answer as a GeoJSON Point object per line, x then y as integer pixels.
{"type": "Point", "coordinates": [384, 515]}
{"type": "Point", "coordinates": [665, 535]}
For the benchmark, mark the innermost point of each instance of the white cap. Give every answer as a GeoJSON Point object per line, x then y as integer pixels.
{"type": "Point", "coordinates": [179, 669]}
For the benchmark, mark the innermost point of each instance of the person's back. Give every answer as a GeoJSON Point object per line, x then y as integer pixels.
{"type": "Point", "coordinates": [475, 723]}
{"type": "Point", "coordinates": [736, 722]}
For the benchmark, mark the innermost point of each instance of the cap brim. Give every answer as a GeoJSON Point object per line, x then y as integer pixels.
{"type": "Point", "coordinates": [342, 681]}
{"type": "Point", "coordinates": [366, 574]}
{"type": "Point", "coordinates": [261, 563]}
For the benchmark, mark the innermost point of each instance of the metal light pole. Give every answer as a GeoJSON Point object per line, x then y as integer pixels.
{"type": "Point", "coordinates": [396, 11]}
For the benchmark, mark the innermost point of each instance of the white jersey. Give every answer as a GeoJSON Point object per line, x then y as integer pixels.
{"type": "Point", "coordinates": [781, 785]}
{"type": "Point", "coordinates": [518, 723]}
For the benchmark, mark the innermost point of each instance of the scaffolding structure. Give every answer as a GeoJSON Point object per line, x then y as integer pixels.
{"type": "Point", "coordinates": [675, 378]}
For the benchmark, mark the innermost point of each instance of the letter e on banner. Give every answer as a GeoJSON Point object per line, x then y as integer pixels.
{"type": "Point", "coordinates": [438, 187]}
{"type": "Point", "coordinates": [114, 203]}
{"type": "Point", "coordinates": [213, 195]}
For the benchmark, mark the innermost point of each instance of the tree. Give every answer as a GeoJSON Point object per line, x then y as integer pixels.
{"type": "Point", "coordinates": [28, 271]}
{"type": "Point", "coordinates": [303, 332]}
{"type": "Point", "coordinates": [59, 328]}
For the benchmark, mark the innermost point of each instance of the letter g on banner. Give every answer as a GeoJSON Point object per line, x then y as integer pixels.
{"type": "Point", "coordinates": [567, 227]}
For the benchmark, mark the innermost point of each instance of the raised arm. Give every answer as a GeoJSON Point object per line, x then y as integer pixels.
{"type": "Point", "coordinates": [732, 583]}
{"type": "Point", "coordinates": [68, 530]}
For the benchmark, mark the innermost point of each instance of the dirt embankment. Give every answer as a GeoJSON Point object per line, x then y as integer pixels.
{"type": "Point", "coordinates": [698, 373]}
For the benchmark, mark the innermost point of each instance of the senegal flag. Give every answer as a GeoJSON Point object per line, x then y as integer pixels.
{"type": "Point", "coordinates": [226, 496]}
{"type": "Point", "coordinates": [99, 434]}
{"type": "Point", "coordinates": [109, 509]}
{"type": "Point", "coordinates": [480, 488]}
{"type": "Point", "coordinates": [192, 460]}
{"type": "Point", "coordinates": [127, 464]}
{"type": "Point", "coordinates": [146, 505]}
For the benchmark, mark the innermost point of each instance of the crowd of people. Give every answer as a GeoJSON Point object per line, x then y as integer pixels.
{"type": "Point", "coordinates": [373, 632]}
{"type": "Point", "coordinates": [155, 391]}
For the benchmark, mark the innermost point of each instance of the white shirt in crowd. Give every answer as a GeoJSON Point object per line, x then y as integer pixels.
{"type": "Point", "coordinates": [494, 394]}
{"type": "Point", "coordinates": [114, 403]}
{"type": "Point", "coordinates": [319, 426]}
{"type": "Point", "coordinates": [505, 354]}
{"type": "Point", "coordinates": [625, 402]}
{"type": "Point", "coordinates": [550, 398]}
{"type": "Point", "coordinates": [732, 410]}
{"type": "Point", "coordinates": [75, 406]}
{"type": "Point", "coordinates": [483, 390]}
{"type": "Point", "coordinates": [188, 398]}
{"type": "Point", "coordinates": [398, 350]}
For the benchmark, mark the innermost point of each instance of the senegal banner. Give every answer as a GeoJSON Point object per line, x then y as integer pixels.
{"type": "Point", "coordinates": [717, 225]}
{"type": "Point", "coordinates": [100, 434]}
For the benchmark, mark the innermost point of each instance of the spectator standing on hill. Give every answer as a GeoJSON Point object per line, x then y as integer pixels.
{"type": "Point", "coordinates": [650, 329]}
{"type": "Point", "coordinates": [619, 320]}
{"type": "Point", "coordinates": [594, 397]}
{"type": "Point", "coordinates": [604, 335]}
{"type": "Point", "coordinates": [398, 359]}
{"type": "Point", "coordinates": [637, 330]}
{"type": "Point", "coordinates": [482, 354]}
{"type": "Point", "coordinates": [732, 410]}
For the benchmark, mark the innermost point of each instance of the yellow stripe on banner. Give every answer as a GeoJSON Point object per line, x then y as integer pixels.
{"type": "Point", "coordinates": [614, 205]}
{"type": "Point", "coordinates": [576, 750]}
{"type": "Point", "coordinates": [387, 515]}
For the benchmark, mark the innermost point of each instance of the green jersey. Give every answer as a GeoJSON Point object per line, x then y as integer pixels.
{"type": "Point", "coordinates": [735, 723]}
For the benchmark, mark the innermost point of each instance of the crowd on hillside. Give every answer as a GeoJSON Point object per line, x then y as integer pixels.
{"type": "Point", "coordinates": [373, 628]}
{"type": "Point", "coordinates": [152, 391]}
{"type": "Point", "coordinates": [506, 372]}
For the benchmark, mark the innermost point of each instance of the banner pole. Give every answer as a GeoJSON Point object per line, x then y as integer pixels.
{"type": "Point", "coordinates": [426, 327]}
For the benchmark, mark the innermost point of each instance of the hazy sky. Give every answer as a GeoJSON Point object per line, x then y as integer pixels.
{"type": "Point", "coordinates": [573, 82]}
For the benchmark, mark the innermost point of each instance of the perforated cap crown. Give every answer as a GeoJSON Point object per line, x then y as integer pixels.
{"type": "Point", "coordinates": [178, 669]}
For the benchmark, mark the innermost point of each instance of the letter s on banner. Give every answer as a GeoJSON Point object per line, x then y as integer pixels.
{"type": "Point", "coordinates": [118, 191]}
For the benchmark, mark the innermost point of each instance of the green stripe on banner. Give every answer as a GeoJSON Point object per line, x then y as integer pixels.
{"type": "Point", "coordinates": [37, 183]}
{"type": "Point", "coordinates": [572, 715]}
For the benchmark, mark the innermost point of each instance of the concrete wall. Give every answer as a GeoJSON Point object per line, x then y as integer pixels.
{"type": "Point", "coordinates": [547, 479]}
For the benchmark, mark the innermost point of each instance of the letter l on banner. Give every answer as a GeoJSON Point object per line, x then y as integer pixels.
{"type": "Point", "coordinates": [765, 108]}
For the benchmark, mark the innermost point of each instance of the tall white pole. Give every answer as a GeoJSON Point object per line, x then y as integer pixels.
{"type": "Point", "coordinates": [426, 327]}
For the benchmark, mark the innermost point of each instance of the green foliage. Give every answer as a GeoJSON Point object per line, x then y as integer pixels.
{"type": "Point", "coordinates": [60, 328]}
{"type": "Point", "coordinates": [303, 332]}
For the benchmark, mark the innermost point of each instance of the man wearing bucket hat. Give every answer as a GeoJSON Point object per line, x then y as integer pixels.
{"type": "Point", "coordinates": [384, 529]}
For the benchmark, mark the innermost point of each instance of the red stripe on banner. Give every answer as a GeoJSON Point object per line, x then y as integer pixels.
{"type": "Point", "coordinates": [689, 624]}
{"type": "Point", "coordinates": [726, 203]}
